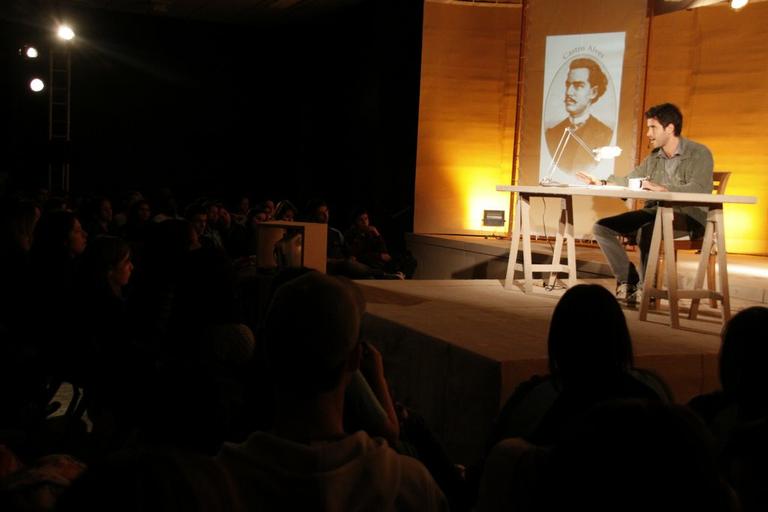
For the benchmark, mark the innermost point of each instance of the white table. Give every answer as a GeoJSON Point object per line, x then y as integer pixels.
{"type": "Point", "coordinates": [663, 235]}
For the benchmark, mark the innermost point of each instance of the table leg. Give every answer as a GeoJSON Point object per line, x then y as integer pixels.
{"type": "Point", "coordinates": [570, 242]}
{"type": "Point", "coordinates": [514, 246]}
{"type": "Point", "coordinates": [557, 253]}
{"type": "Point", "coordinates": [722, 265]}
{"type": "Point", "coordinates": [525, 219]}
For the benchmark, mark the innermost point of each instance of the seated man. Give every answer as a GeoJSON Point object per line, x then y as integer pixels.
{"type": "Point", "coordinates": [676, 164]}
{"type": "Point", "coordinates": [307, 461]}
{"type": "Point", "coordinates": [318, 211]}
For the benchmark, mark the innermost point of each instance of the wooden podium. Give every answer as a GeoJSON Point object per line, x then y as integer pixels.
{"type": "Point", "coordinates": [313, 245]}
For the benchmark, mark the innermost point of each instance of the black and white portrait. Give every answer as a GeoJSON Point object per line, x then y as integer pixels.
{"type": "Point", "coordinates": [580, 96]}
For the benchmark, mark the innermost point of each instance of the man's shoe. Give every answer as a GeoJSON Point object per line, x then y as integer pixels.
{"type": "Point", "coordinates": [624, 291]}
{"type": "Point", "coordinates": [634, 298]}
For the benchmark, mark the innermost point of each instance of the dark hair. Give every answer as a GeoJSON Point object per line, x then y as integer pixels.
{"type": "Point", "coordinates": [357, 212]}
{"type": "Point", "coordinates": [743, 357]}
{"type": "Point", "coordinates": [52, 234]}
{"type": "Point", "coordinates": [18, 221]}
{"type": "Point", "coordinates": [165, 202]}
{"type": "Point", "coordinates": [596, 76]}
{"type": "Point", "coordinates": [102, 254]}
{"type": "Point", "coordinates": [282, 207]}
{"type": "Point", "coordinates": [195, 209]}
{"type": "Point", "coordinates": [666, 114]}
{"type": "Point", "coordinates": [307, 330]}
{"type": "Point", "coordinates": [314, 204]}
{"type": "Point", "coordinates": [603, 349]}
{"type": "Point", "coordinates": [55, 204]}
{"type": "Point", "coordinates": [133, 210]}
{"type": "Point", "coordinates": [311, 208]}
{"type": "Point", "coordinates": [94, 205]}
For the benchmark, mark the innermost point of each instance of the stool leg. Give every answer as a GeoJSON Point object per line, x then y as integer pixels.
{"type": "Point", "coordinates": [659, 278]}
{"type": "Point", "coordinates": [711, 278]}
{"type": "Point", "coordinates": [668, 236]}
{"type": "Point", "coordinates": [722, 266]}
{"type": "Point", "coordinates": [650, 271]}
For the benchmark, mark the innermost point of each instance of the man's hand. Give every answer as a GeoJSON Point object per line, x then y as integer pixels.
{"type": "Point", "coordinates": [371, 364]}
{"type": "Point", "coordinates": [654, 187]}
{"type": "Point", "coordinates": [587, 178]}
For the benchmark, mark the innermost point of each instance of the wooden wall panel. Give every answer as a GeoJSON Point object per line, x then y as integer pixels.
{"type": "Point", "coordinates": [713, 63]}
{"type": "Point", "coordinates": [466, 114]}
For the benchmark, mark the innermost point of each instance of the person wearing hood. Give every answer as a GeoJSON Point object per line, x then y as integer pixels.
{"type": "Point", "coordinates": [307, 461]}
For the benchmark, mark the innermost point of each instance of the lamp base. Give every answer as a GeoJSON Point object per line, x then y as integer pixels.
{"type": "Point", "coordinates": [548, 182]}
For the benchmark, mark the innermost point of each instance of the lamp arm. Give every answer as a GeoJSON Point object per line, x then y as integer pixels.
{"type": "Point", "coordinates": [559, 150]}
{"type": "Point", "coordinates": [583, 144]}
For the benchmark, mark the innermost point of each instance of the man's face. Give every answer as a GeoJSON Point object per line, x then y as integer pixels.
{"type": "Point", "coordinates": [199, 222]}
{"type": "Point", "coordinates": [121, 274]}
{"type": "Point", "coordinates": [144, 212]}
{"type": "Point", "coordinates": [657, 134]}
{"type": "Point", "coordinates": [105, 211]}
{"type": "Point", "coordinates": [78, 239]}
{"type": "Point", "coordinates": [362, 221]}
{"type": "Point", "coordinates": [579, 93]}
{"type": "Point", "coordinates": [213, 213]}
{"type": "Point", "coordinates": [321, 215]}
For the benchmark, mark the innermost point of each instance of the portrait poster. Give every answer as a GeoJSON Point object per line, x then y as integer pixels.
{"type": "Point", "coordinates": [580, 96]}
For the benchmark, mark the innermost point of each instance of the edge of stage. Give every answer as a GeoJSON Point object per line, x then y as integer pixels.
{"type": "Point", "coordinates": [456, 343]}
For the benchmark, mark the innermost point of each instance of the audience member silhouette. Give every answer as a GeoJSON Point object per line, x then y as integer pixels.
{"type": "Point", "coordinates": [17, 225]}
{"type": "Point", "coordinates": [99, 216]}
{"type": "Point", "coordinates": [636, 456]}
{"type": "Point", "coordinates": [286, 211]}
{"type": "Point", "coordinates": [151, 480]}
{"type": "Point", "coordinates": [59, 241]}
{"type": "Point", "coordinates": [308, 461]}
{"type": "Point", "coordinates": [23, 394]}
{"type": "Point", "coordinates": [149, 305]}
{"type": "Point", "coordinates": [744, 462]}
{"type": "Point", "coordinates": [586, 367]}
{"type": "Point", "coordinates": [738, 414]}
{"type": "Point", "coordinates": [743, 376]}
{"type": "Point", "coordinates": [367, 246]}
{"type": "Point", "coordinates": [112, 370]}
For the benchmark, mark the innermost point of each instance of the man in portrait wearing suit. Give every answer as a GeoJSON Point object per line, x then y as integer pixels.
{"type": "Point", "coordinates": [584, 86]}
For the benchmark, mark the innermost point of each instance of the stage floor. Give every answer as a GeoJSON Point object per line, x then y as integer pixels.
{"type": "Point", "coordinates": [456, 349]}
{"type": "Point", "coordinates": [476, 257]}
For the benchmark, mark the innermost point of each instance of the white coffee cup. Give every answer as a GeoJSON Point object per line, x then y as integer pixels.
{"type": "Point", "coordinates": [636, 183]}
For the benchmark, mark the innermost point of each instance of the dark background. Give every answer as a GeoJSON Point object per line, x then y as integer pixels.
{"type": "Point", "coordinates": [319, 104]}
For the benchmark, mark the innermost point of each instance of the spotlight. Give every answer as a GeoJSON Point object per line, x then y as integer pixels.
{"type": "Point", "coordinates": [738, 4]}
{"type": "Point", "coordinates": [36, 85]}
{"type": "Point", "coordinates": [65, 32]}
{"type": "Point", "coordinates": [29, 52]}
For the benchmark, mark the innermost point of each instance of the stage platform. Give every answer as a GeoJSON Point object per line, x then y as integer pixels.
{"type": "Point", "coordinates": [478, 257]}
{"type": "Point", "coordinates": [454, 349]}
